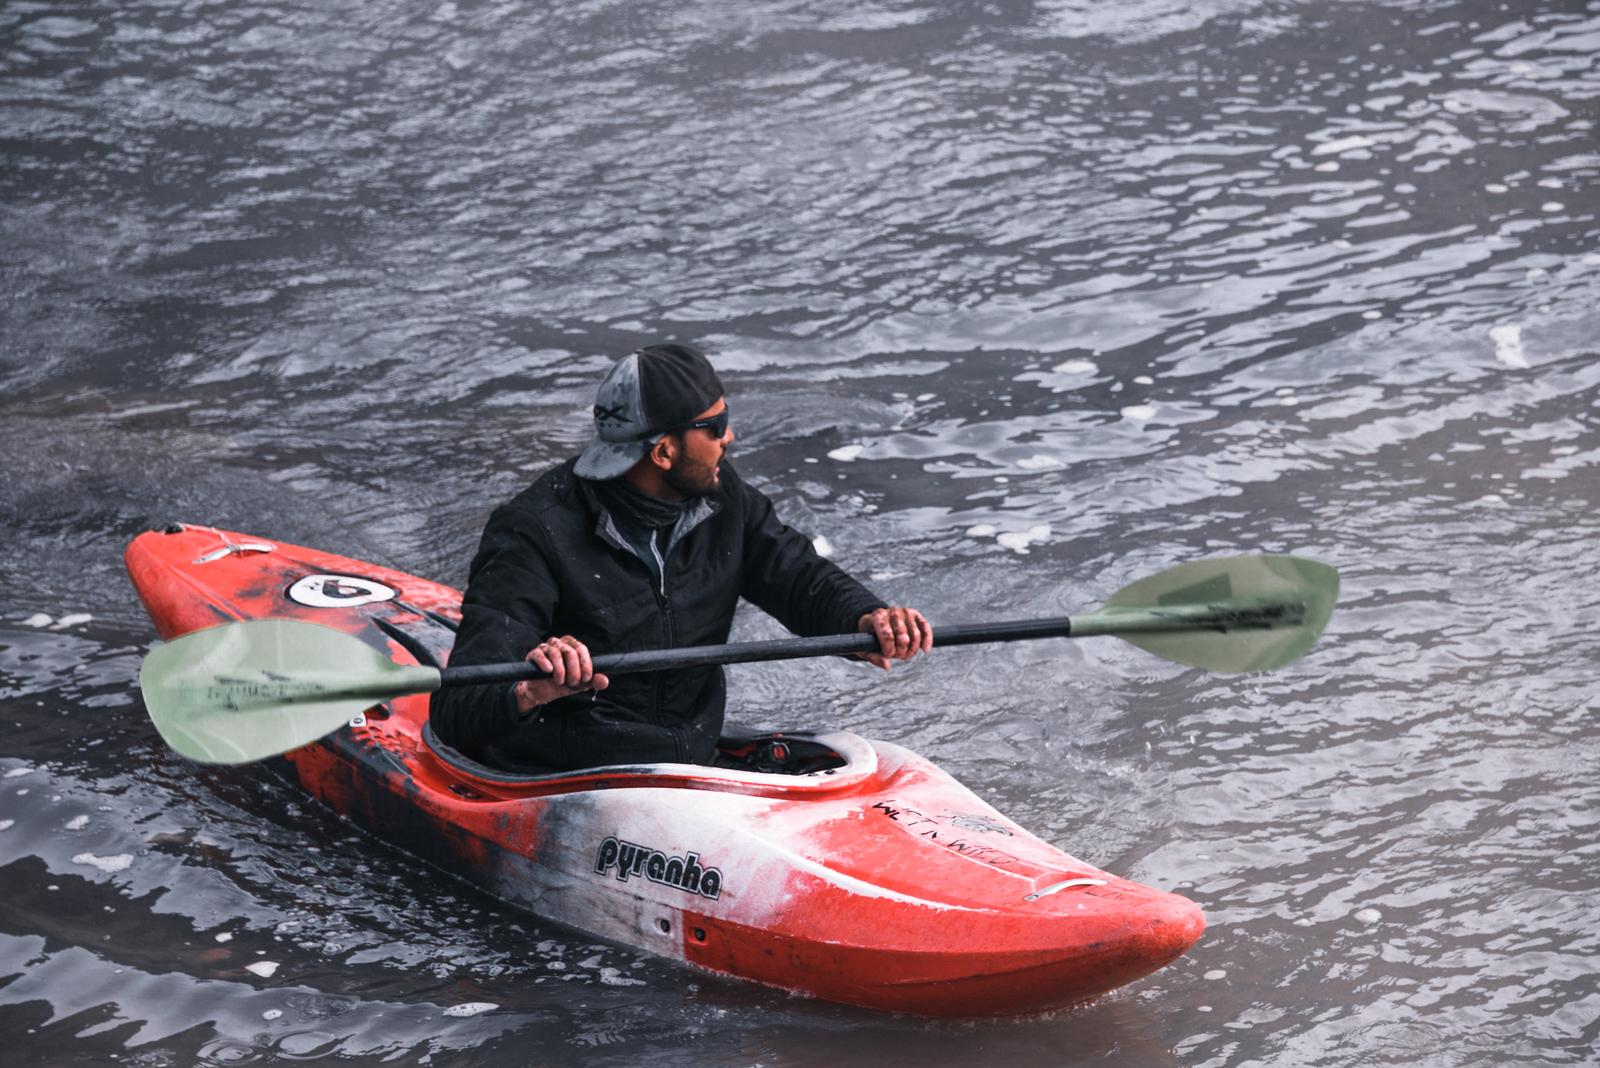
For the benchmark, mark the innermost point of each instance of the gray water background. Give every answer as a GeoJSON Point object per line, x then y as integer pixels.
{"type": "Point", "coordinates": [1015, 302]}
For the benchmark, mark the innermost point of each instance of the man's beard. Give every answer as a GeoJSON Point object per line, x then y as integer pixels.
{"type": "Point", "coordinates": [691, 479]}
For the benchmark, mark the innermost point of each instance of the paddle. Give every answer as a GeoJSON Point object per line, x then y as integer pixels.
{"type": "Point", "coordinates": [239, 692]}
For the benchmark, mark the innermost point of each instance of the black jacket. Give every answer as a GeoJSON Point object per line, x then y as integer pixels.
{"type": "Point", "coordinates": [552, 561]}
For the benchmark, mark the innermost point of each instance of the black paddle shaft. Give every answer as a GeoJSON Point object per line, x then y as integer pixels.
{"type": "Point", "coordinates": [750, 652]}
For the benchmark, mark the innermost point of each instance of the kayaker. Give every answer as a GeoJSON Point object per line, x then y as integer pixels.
{"type": "Point", "coordinates": [646, 540]}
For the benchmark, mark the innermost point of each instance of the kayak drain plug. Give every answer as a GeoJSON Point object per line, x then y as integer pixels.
{"type": "Point", "coordinates": [665, 925]}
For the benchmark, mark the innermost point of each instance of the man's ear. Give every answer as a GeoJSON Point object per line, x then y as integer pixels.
{"type": "Point", "coordinates": [663, 453]}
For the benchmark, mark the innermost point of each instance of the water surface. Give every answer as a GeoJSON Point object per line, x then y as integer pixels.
{"type": "Point", "coordinates": [1016, 303]}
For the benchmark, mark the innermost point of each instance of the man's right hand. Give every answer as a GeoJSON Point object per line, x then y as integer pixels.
{"type": "Point", "coordinates": [568, 668]}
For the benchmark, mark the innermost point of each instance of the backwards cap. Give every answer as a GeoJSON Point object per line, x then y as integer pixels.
{"type": "Point", "coordinates": [645, 394]}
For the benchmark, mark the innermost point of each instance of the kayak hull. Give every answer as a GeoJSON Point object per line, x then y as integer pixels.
{"type": "Point", "coordinates": [871, 878]}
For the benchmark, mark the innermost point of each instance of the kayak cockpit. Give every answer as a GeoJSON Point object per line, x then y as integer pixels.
{"type": "Point", "coordinates": [790, 764]}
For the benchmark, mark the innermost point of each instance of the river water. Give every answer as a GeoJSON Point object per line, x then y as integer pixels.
{"type": "Point", "coordinates": [1015, 302]}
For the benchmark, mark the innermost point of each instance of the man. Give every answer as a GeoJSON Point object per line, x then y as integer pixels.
{"type": "Point", "coordinates": [647, 540]}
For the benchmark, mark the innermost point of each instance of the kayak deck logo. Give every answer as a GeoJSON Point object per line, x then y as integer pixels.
{"type": "Point", "coordinates": [339, 591]}
{"type": "Point", "coordinates": [684, 873]}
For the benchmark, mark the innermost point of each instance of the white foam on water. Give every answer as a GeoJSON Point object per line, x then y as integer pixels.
{"type": "Point", "coordinates": [471, 1008]}
{"type": "Point", "coordinates": [1368, 916]}
{"type": "Point", "coordinates": [1076, 367]}
{"type": "Point", "coordinates": [613, 977]}
{"type": "Point", "coordinates": [263, 968]}
{"type": "Point", "coordinates": [1550, 183]}
{"type": "Point", "coordinates": [1038, 463]}
{"type": "Point", "coordinates": [1019, 540]}
{"type": "Point", "coordinates": [1552, 205]}
{"type": "Point", "coordinates": [1497, 187]}
{"type": "Point", "coordinates": [16, 773]}
{"type": "Point", "coordinates": [1144, 380]}
{"type": "Point", "coordinates": [272, 1014]}
{"type": "Point", "coordinates": [981, 530]}
{"type": "Point", "coordinates": [1372, 314]}
{"type": "Point", "coordinates": [823, 546]}
{"type": "Point", "coordinates": [6, 825]}
{"type": "Point", "coordinates": [77, 823]}
{"type": "Point", "coordinates": [1139, 413]}
{"type": "Point", "coordinates": [1326, 168]}
{"type": "Point", "coordinates": [38, 619]}
{"type": "Point", "coordinates": [1214, 974]}
{"type": "Point", "coordinates": [72, 620]}
{"type": "Point", "coordinates": [224, 936]}
{"type": "Point", "coordinates": [1508, 345]}
{"type": "Point", "coordinates": [117, 863]}
{"type": "Point", "coordinates": [846, 453]}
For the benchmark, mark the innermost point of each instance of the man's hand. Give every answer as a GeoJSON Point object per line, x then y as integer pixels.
{"type": "Point", "coordinates": [569, 668]}
{"type": "Point", "coordinates": [902, 634]}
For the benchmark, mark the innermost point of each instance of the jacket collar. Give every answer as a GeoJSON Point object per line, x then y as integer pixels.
{"type": "Point", "coordinates": [605, 527]}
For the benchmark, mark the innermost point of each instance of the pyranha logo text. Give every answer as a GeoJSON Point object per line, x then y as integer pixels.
{"type": "Point", "coordinates": [686, 873]}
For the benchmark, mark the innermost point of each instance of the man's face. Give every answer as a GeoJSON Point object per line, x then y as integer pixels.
{"type": "Point", "coordinates": [694, 472]}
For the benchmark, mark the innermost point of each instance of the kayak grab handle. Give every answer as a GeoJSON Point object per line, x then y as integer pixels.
{"type": "Point", "coordinates": [1065, 884]}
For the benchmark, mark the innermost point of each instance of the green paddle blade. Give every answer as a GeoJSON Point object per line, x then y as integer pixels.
{"type": "Point", "coordinates": [245, 691]}
{"type": "Point", "coordinates": [1241, 613]}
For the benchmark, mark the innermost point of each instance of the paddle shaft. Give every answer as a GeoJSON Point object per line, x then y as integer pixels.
{"type": "Point", "coordinates": [1131, 621]}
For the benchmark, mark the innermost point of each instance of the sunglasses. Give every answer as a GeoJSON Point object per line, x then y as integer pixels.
{"type": "Point", "coordinates": [716, 425]}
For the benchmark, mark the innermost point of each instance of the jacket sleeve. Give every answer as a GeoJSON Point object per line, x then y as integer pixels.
{"type": "Point", "coordinates": [511, 598]}
{"type": "Point", "coordinates": [784, 576]}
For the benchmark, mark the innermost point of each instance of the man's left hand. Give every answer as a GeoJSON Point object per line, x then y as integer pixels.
{"type": "Point", "coordinates": [902, 634]}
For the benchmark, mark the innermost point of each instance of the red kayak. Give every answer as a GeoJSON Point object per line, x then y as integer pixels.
{"type": "Point", "coordinates": [825, 864]}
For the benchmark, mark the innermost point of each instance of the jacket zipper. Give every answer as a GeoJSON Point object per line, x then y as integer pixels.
{"type": "Point", "coordinates": [665, 605]}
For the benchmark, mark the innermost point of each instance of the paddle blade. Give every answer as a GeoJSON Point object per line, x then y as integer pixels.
{"type": "Point", "coordinates": [245, 691]}
{"type": "Point", "coordinates": [1268, 610]}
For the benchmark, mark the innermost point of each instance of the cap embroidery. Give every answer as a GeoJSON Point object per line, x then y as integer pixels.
{"type": "Point", "coordinates": [603, 414]}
